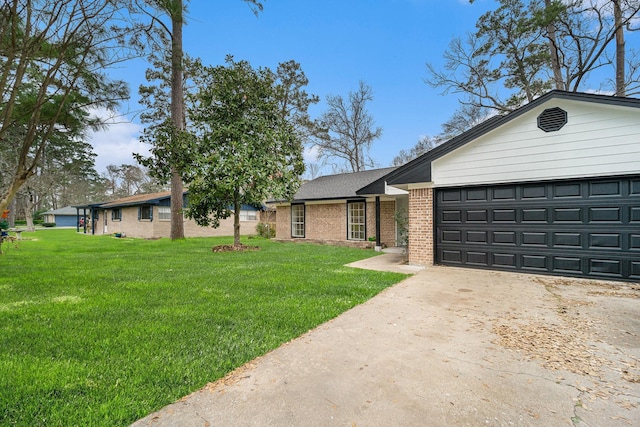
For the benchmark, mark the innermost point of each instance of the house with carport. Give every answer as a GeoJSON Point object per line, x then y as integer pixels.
{"type": "Point", "coordinates": [149, 216]}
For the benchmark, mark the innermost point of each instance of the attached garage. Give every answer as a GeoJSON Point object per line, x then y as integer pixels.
{"type": "Point", "coordinates": [552, 188]}
{"type": "Point", "coordinates": [586, 228]}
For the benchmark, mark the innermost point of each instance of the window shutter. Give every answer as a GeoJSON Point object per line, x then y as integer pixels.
{"type": "Point", "coordinates": [139, 212]}
{"type": "Point", "coordinates": [113, 214]}
{"type": "Point", "coordinates": [150, 213]}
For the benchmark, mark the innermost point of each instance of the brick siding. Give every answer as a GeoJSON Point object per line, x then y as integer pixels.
{"type": "Point", "coordinates": [421, 243]}
{"type": "Point", "coordinates": [131, 226]}
{"type": "Point", "coordinates": [328, 222]}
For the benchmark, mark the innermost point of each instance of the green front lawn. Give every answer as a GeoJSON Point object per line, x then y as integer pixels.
{"type": "Point", "coordinates": [96, 330]}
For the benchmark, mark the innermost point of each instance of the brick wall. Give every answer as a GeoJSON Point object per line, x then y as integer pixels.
{"type": "Point", "coordinates": [328, 222]}
{"type": "Point", "coordinates": [421, 243]}
{"type": "Point", "coordinates": [387, 223]}
{"type": "Point", "coordinates": [131, 226]}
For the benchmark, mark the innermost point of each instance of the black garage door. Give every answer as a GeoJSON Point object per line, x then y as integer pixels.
{"type": "Point", "coordinates": [585, 228]}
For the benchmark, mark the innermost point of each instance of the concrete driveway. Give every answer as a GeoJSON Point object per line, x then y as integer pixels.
{"type": "Point", "coordinates": [446, 347]}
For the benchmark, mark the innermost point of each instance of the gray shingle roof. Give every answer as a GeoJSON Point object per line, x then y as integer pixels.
{"type": "Point", "coordinates": [339, 186]}
{"type": "Point", "coordinates": [67, 210]}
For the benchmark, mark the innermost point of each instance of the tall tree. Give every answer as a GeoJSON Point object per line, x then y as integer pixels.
{"type": "Point", "coordinates": [522, 49]}
{"type": "Point", "coordinates": [127, 180]}
{"type": "Point", "coordinates": [174, 127]}
{"type": "Point", "coordinates": [424, 144]}
{"type": "Point", "coordinates": [347, 130]}
{"type": "Point", "coordinates": [248, 149]}
{"type": "Point", "coordinates": [52, 60]}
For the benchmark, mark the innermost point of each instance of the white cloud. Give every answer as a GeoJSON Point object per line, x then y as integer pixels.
{"type": "Point", "coordinates": [117, 143]}
{"type": "Point", "coordinates": [311, 154]}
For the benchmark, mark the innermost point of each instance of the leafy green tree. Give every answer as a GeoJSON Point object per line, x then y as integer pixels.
{"type": "Point", "coordinates": [248, 147]}
{"type": "Point", "coordinates": [52, 60]}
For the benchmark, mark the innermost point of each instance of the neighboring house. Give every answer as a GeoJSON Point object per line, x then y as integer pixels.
{"type": "Point", "coordinates": [63, 217]}
{"type": "Point", "coordinates": [328, 210]}
{"type": "Point", "coordinates": [149, 216]}
{"type": "Point", "coordinates": [552, 188]}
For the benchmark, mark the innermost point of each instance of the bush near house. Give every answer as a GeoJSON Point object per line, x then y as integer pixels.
{"type": "Point", "coordinates": [98, 337]}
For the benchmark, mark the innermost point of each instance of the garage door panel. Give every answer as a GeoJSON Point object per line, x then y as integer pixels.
{"type": "Point", "coordinates": [475, 237]}
{"type": "Point", "coordinates": [605, 188]}
{"type": "Point", "coordinates": [605, 241]}
{"type": "Point", "coordinates": [586, 228]}
{"type": "Point", "coordinates": [567, 190]}
{"type": "Point", "coordinates": [504, 260]}
{"type": "Point", "coordinates": [537, 215]}
{"type": "Point", "coordinates": [535, 262]}
{"type": "Point", "coordinates": [567, 240]}
{"type": "Point", "coordinates": [565, 215]}
{"type": "Point", "coordinates": [530, 238]}
{"type": "Point", "coordinates": [451, 256]}
{"type": "Point", "coordinates": [635, 270]}
{"type": "Point", "coordinates": [450, 195]}
{"type": "Point", "coordinates": [477, 216]}
{"type": "Point", "coordinates": [451, 236]}
{"type": "Point", "coordinates": [504, 238]}
{"type": "Point", "coordinates": [504, 193]}
{"type": "Point", "coordinates": [532, 192]}
{"type": "Point", "coordinates": [477, 258]}
{"type": "Point", "coordinates": [477, 194]}
{"type": "Point", "coordinates": [505, 216]}
{"type": "Point", "coordinates": [451, 217]}
{"type": "Point", "coordinates": [607, 267]}
{"type": "Point", "coordinates": [606, 214]}
{"type": "Point", "coordinates": [571, 265]}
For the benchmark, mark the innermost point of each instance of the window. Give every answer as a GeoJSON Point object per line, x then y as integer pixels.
{"type": "Point", "coordinates": [246, 215]}
{"type": "Point", "coordinates": [164, 213]}
{"type": "Point", "coordinates": [116, 214]}
{"type": "Point", "coordinates": [356, 221]}
{"type": "Point", "coordinates": [297, 220]}
{"type": "Point", "coordinates": [145, 212]}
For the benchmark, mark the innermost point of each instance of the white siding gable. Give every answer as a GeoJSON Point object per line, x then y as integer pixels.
{"type": "Point", "coordinates": [598, 140]}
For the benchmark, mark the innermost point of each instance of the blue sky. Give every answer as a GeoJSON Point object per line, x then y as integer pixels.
{"type": "Point", "coordinates": [385, 43]}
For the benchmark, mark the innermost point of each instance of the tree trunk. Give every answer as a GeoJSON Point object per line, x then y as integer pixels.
{"type": "Point", "coordinates": [553, 51]}
{"type": "Point", "coordinates": [620, 53]}
{"type": "Point", "coordinates": [11, 219]}
{"type": "Point", "coordinates": [10, 193]}
{"type": "Point", "coordinates": [236, 223]}
{"type": "Point", "coordinates": [28, 210]}
{"type": "Point", "coordinates": [177, 117]}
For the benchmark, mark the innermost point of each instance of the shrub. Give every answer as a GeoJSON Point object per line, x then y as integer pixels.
{"type": "Point", "coordinates": [266, 229]}
{"type": "Point", "coordinates": [47, 224]}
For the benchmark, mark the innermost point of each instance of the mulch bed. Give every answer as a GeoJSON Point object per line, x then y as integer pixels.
{"type": "Point", "coordinates": [234, 248]}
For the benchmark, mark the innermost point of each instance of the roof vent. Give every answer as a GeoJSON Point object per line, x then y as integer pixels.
{"type": "Point", "coordinates": [552, 119]}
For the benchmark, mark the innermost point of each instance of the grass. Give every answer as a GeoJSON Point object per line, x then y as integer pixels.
{"type": "Point", "coordinates": [102, 331]}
